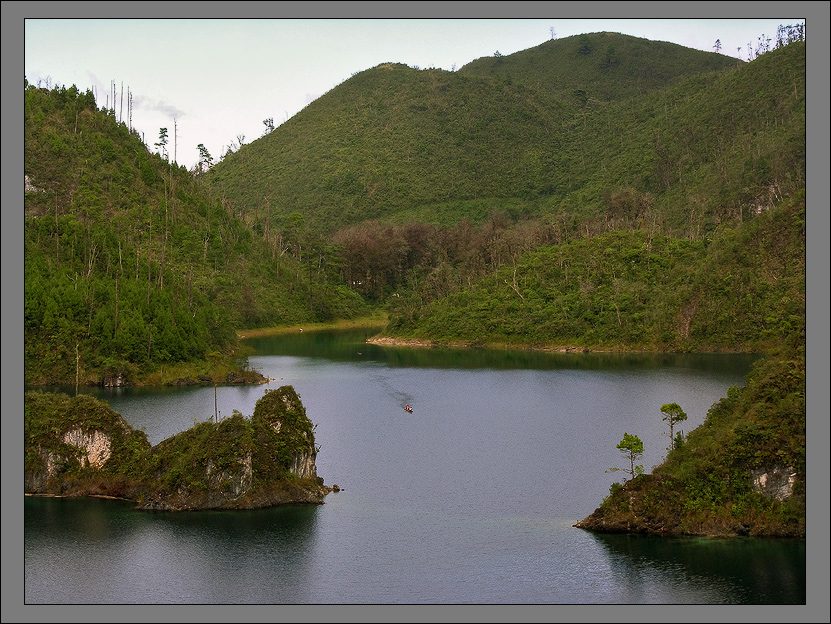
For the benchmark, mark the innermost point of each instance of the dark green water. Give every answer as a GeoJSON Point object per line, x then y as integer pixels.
{"type": "Point", "coordinates": [468, 500]}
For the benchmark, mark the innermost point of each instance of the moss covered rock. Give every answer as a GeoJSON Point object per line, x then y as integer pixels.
{"type": "Point", "coordinates": [80, 447]}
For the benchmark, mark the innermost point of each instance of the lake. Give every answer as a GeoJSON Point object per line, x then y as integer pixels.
{"type": "Point", "coordinates": [469, 499]}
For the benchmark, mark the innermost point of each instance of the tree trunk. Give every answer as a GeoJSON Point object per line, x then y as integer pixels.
{"type": "Point", "coordinates": [115, 330]}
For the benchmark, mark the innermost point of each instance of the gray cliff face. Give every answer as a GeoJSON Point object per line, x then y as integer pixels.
{"type": "Point", "coordinates": [231, 484]}
{"type": "Point", "coordinates": [81, 447]}
{"type": "Point", "coordinates": [304, 466]}
{"type": "Point", "coordinates": [776, 482]}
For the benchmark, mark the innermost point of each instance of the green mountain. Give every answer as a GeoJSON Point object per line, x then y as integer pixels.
{"type": "Point", "coordinates": [599, 66]}
{"type": "Point", "coordinates": [542, 133]}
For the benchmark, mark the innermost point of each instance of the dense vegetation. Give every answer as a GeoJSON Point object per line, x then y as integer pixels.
{"type": "Point", "coordinates": [240, 461]}
{"type": "Point", "coordinates": [742, 290]}
{"type": "Point", "coordinates": [132, 266]}
{"type": "Point", "coordinates": [706, 484]}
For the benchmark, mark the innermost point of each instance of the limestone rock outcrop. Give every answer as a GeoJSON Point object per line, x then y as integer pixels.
{"type": "Point", "coordinates": [80, 447]}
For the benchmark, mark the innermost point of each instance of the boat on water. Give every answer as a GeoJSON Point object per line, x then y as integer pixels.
{"type": "Point", "coordinates": [408, 408]}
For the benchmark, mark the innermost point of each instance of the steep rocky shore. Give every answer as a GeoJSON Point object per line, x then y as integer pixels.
{"type": "Point", "coordinates": [644, 506]}
{"type": "Point", "coordinates": [78, 446]}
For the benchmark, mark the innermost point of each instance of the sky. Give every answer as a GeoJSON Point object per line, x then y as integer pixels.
{"type": "Point", "coordinates": [213, 80]}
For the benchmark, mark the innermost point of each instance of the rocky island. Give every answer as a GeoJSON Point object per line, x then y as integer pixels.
{"type": "Point", "coordinates": [741, 473]}
{"type": "Point", "coordinates": [79, 446]}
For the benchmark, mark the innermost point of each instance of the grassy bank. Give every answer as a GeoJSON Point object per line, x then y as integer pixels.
{"type": "Point", "coordinates": [376, 320]}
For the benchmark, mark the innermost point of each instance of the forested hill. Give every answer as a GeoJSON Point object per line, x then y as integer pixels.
{"type": "Point", "coordinates": [551, 132]}
{"type": "Point", "coordinates": [599, 66]}
{"type": "Point", "coordinates": [741, 290]}
{"type": "Point", "coordinates": [599, 191]}
{"type": "Point", "coordinates": [132, 266]}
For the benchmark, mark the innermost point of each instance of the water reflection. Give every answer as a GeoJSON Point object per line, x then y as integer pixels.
{"type": "Point", "coordinates": [350, 346]}
{"type": "Point", "coordinates": [116, 554]}
{"type": "Point", "coordinates": [709, 571]}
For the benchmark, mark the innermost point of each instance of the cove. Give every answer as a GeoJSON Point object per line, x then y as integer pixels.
{"type": "Point", "coordinates": [469, 499]}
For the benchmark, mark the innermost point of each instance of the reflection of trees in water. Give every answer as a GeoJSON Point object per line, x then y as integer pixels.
{"type": "Point", "coordinates": [229, 555]}
{"type": "Point", "coordinates": [709, 571]}
{"type": "Point", "coordinates": [350, 345]}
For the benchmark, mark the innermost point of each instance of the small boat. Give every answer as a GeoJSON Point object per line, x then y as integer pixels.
{"type": "Point", "coordinates": [408, 408]}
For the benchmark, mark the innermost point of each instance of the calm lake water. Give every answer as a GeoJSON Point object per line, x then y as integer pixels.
{"type": "Point", "coordinates": [468, 500]}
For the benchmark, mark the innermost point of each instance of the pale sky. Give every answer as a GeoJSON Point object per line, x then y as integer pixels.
{"type": "Point", "coordinates": [220, 78]}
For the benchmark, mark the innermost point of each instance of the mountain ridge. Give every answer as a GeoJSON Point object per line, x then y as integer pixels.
{"type": "Point", "coordinates": [402, 144]}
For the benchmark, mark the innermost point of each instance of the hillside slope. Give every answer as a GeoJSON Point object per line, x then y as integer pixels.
{"type": "Point", "coordinates": [742, 290]}
{"type": "Point", "coordinates": [132, 265]}
{"type": "Point", "coordinates": [544, 132]}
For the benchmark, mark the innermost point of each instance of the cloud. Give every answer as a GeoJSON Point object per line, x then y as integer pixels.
{"type": "Point", "coordinates": [96, 83]}
{"type": "Point", "coordinates": [157, 106]}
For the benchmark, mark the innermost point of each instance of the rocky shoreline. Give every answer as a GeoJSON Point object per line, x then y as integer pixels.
{"type": "Point", "coordinates": [389, 341]}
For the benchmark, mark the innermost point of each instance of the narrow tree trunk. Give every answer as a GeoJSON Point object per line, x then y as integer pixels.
{"type": "Point", "coordinates": [57, 233]}
{"type": "Point", "coordinates": [115, 329]}
{"type": "Point", "coordinates": [91, 303]}
{"type": "Point", "coordinates": [190, 288]}
{"type": "Point", "coordinates": [149, 238]}
{"type": "Point", "coordinates": [164, 244]}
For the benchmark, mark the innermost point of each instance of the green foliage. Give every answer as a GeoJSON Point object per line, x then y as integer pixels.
{"type": "Point", "coordinates": [202, 466]}
{"type": "Point", "coordinates": [132, 265]}
{"type": "Point", "coordinates": [613, 491]}
{"type": "Point", "coordinates": [632, 447]}
{"type": "Point", "coordinates": [189, 459]}
{"type": "Point", "coordinates": [708, 485]}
